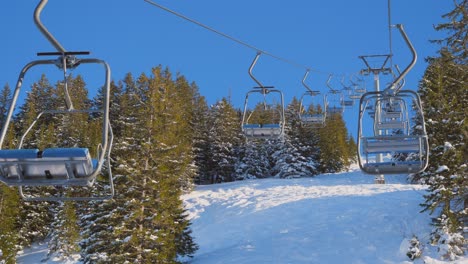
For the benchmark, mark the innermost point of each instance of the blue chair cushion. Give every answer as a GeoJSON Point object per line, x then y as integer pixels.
{"type": "Point", "coordinates": [65, 152]}
{"type": "Point", "coordinates": [19, 153]}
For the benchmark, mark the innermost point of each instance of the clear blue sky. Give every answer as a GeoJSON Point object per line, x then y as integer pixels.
{"type": "Point", "coordinates": [134, 36]}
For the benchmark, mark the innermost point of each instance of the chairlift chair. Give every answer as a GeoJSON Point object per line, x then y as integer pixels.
{"type": "Point", "coordinates": [347, 99]}
{"type": "Point", "coordinates": [359, 89]}
{"type": "Point", "coordinates": [381, 151]}
{"type": "Point", "coordinates": [57, 166]}
{"type": "Point", "coordinates": [273, 128]}
{"type": "Point", "coordinates": [312, 107]}
{"type": "Point", "coordinates": [313, 113]}
{"type": "Point", "coordinates": [335, 103]}
{"type": "Point", "coordinates": [392, 116]}
{"type": "Point", "coordinates": [335, 100]}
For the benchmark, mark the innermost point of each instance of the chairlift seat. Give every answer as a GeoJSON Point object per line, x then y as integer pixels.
{"type": "Point", "coordinates": [355, 96]}
{"type": "Point", "coordinates": [56, 166]}
{"type": "Point", "coordinates": [10, 159]}
{"type": "Point", "coordinates": [262, 131]}
{"type": "Point", "coordinates": [390, 125]}
{"type": "Point", "coordinates": [360, 90]}
{"type": "Point", "coordinates": [348, 102]}
{"type": "Point", "coordinates": [390, 144]}
{"type": "Point", "coordinates": [392, 114]}
{"type": "Point", "coordinates": [394, 167]}
{"type": "Point", "coordinates": [312, 118]}
{"type": "Point", "coordinates": [247, 126]}
{"type": "Point", "coordinates": [271, 126]}
{"type": "Point", "coordinates": [334, 109]}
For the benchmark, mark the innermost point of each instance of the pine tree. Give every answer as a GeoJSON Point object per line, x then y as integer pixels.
{"type": "Point", "coordinates": [201, 147]}
{"type": "Point", "coordinates": [65, 232]}
{"type": "Point", "coordinates": [5, 101]}
{"type": "Point", "coordinates": [352, 149]}
{"type": "Point", "coordinates": [154, 157]}
{"type": "Point", "coordinates": [9, 213]}
{"type": "Point", "coordinates": [42, 97]}
{"type": "Point", "coordinates": [457, 29]}
{"type": "Point", "coordinates": [443, 91]}
{"type": "Point", "coordinates": [224, 136]}
{"type": "Point", "coordinates": [293, 156]}
{"type": "Point", "coordinates": [9, 198]}
{"type": "Point", "coordinates": [253, 161]}
{"type": "Point", "coordinates": [289, 163]}
{"type": "Point", "coordinates": [334, 151]}
{"type": "Point", "coordinates": [34, 218]}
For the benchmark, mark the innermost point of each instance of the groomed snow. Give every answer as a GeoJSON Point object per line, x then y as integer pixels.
{"type": "Point", "coordinates": [330, 218]}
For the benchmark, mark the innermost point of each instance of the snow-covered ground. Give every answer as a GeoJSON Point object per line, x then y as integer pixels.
{"type": "Point", "coordinates": [330, 218]}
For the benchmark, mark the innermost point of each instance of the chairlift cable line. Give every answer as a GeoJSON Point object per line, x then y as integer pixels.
{"type": "Point", "coordinates": [390, 33]}
{"type": "Point", "coordinates": [296, 64]}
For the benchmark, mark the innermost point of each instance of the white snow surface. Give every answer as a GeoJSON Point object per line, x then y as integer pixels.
{"type": "Point", "coordinates": [329, 218]}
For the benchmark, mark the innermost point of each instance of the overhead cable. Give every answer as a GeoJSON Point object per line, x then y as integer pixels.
{"type": "Point", "coordinates": [299, 65]}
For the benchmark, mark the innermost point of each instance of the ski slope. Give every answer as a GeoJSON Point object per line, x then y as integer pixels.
{"type": "Point", "coordinates": [330, 218]}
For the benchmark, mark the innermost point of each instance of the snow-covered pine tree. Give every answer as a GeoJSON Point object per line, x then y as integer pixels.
{"type": "Point", "coordinates": [187, 95]}
{"type": "Point", "coordinates": [65, 232]}
{"type": "Point", "coordinates": [443, 91]}
{"type": "Point", "coordinates": [253, 161]}
{"type": "Point", "coordinates": [201, 147]}
{"type": "Point", "coordinates": [105, 224]}
{"type": "Point", "coordinates": [293, 157]}
{"type": "Point", "coordinates": [224, 140]}
{"type": "Point", "coordinates": [289, 163]}
{"type": "Point", "coordinates": [146, 220]}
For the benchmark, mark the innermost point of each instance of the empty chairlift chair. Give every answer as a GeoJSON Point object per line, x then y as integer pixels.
{"type": "Point", "coordinates": [391, 145]}
{"type": "Point", "coordinates": [312, 108]}
{"type": "Point", "coordinates": [265, 118]}
{"type": "Point", "coordinates": [394, 139]}
{"type": "Point", "coordinates": [335, 100]}
{"type": "Point", "coordinates": [57, 166]}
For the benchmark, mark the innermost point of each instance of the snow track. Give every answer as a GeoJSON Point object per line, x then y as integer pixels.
{"type": "Point", "coordinates": [331, 218]}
